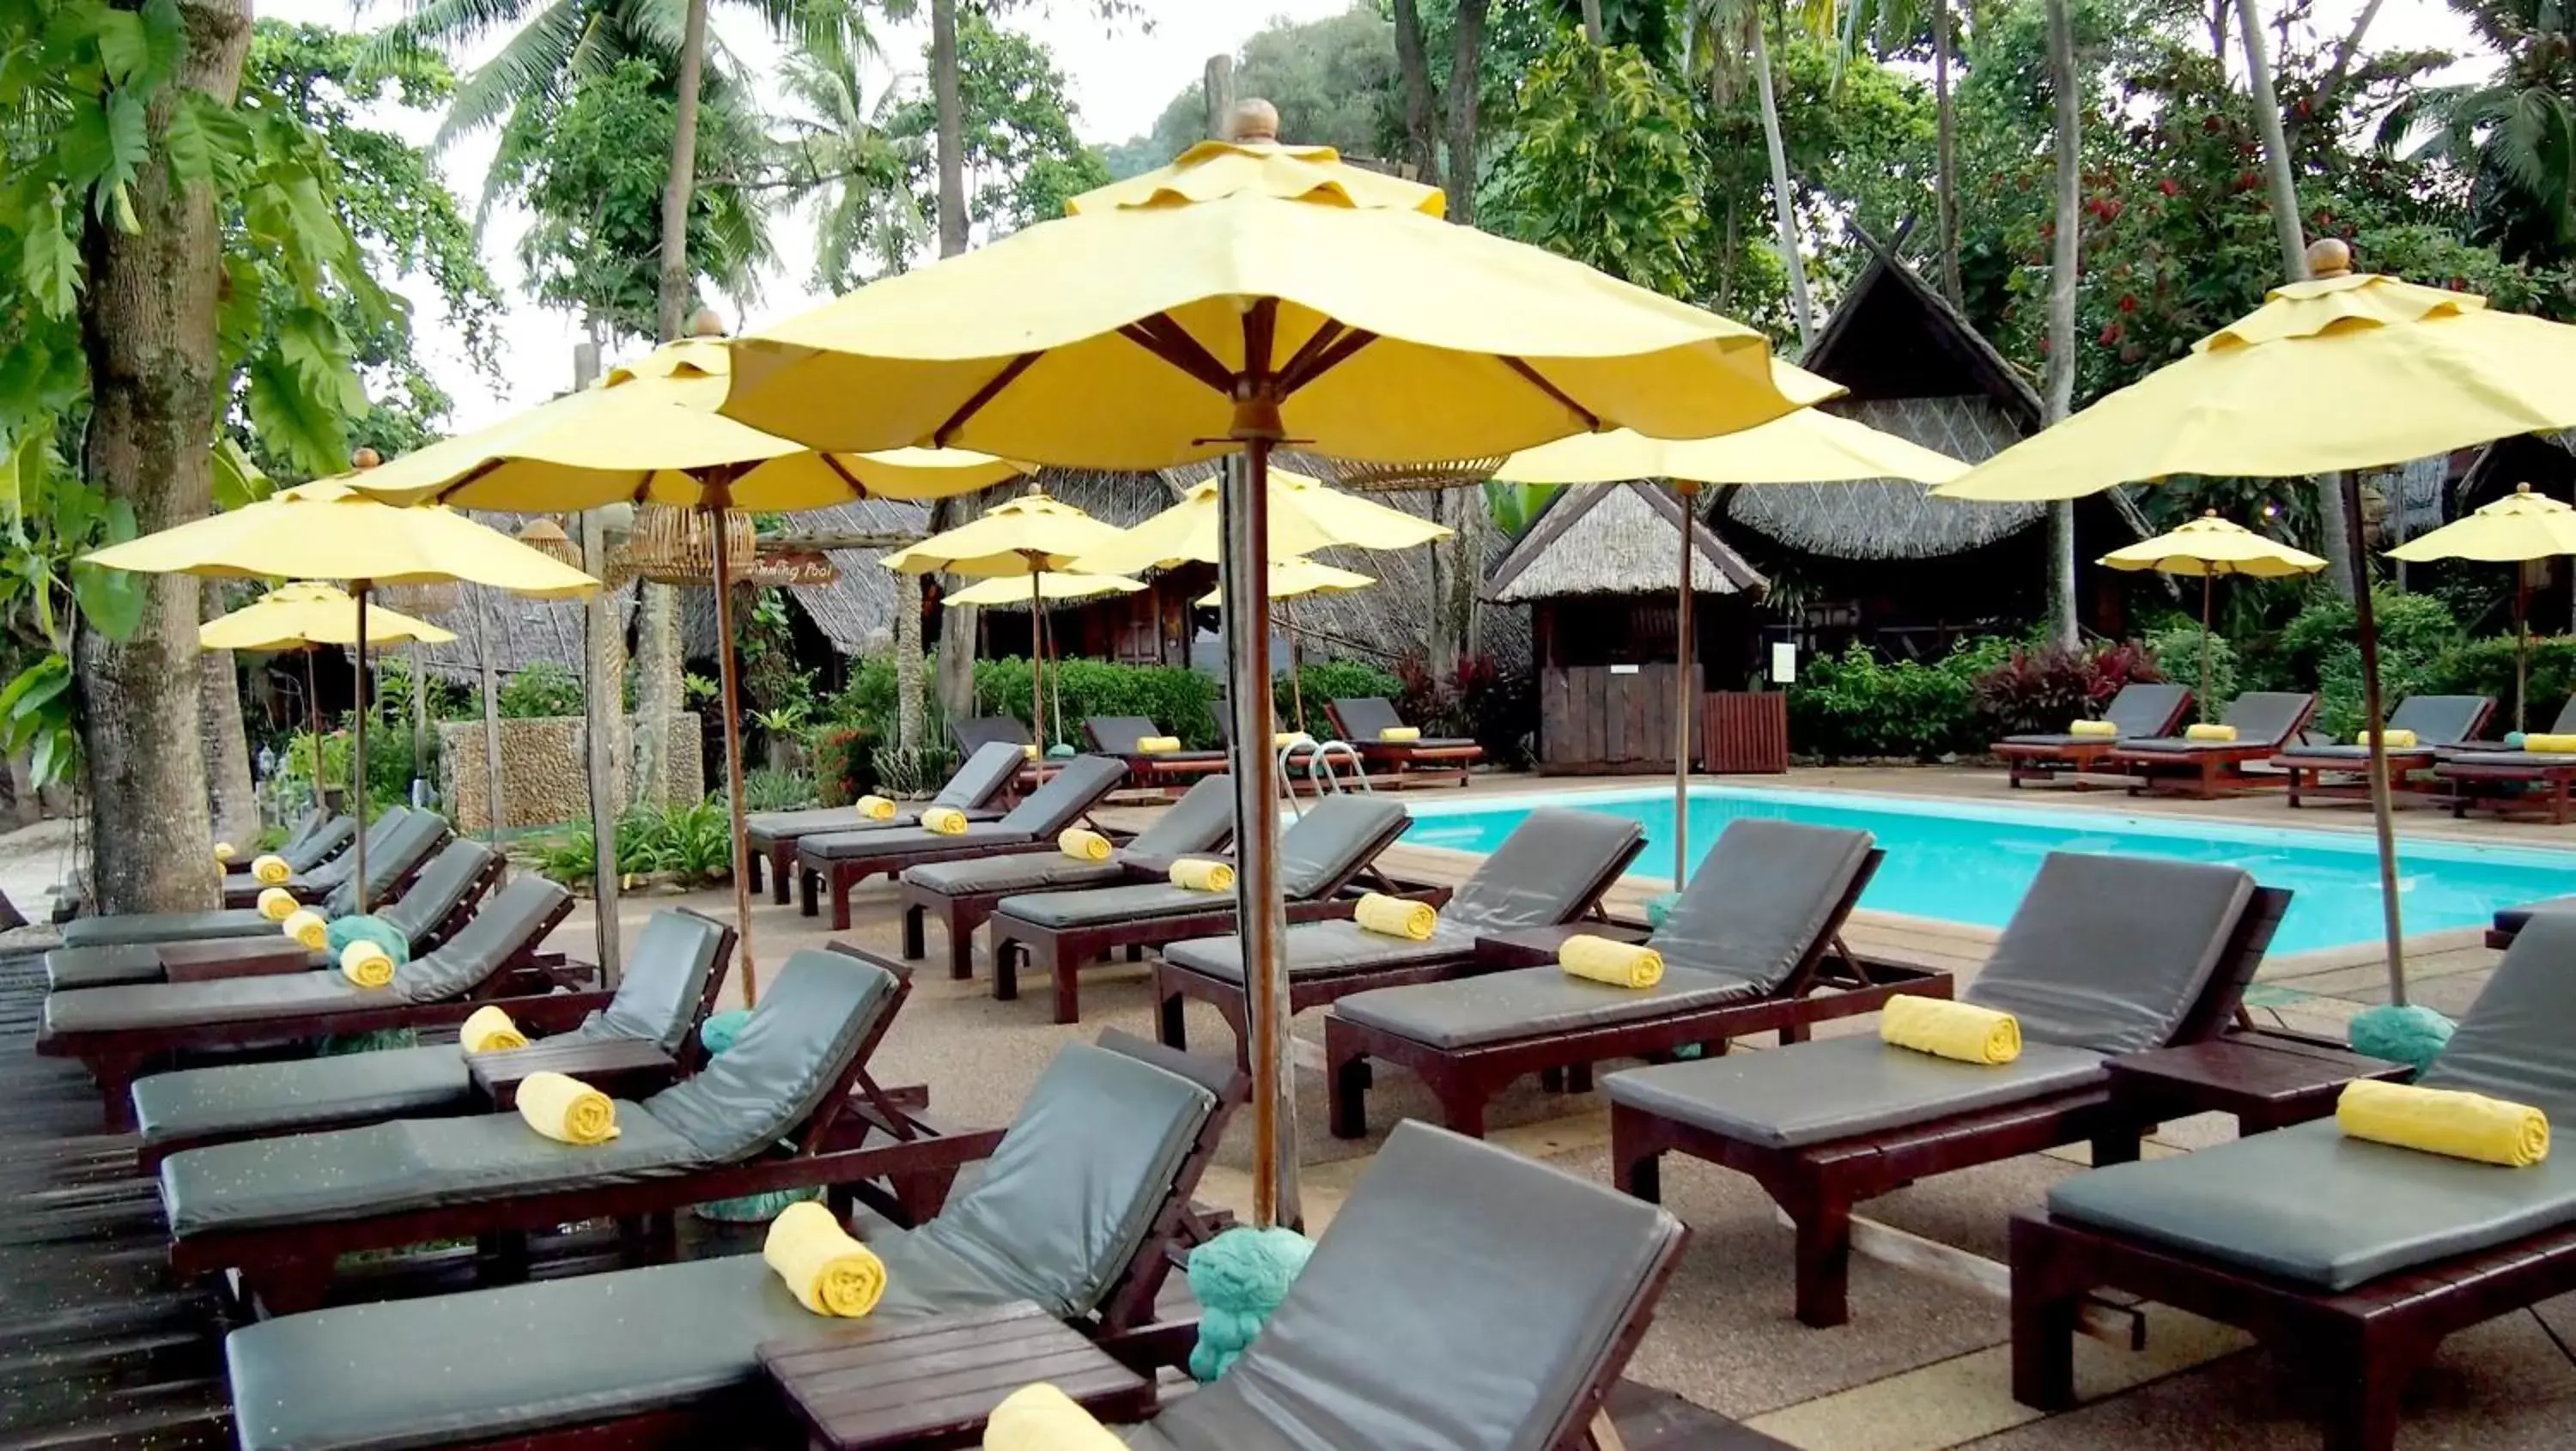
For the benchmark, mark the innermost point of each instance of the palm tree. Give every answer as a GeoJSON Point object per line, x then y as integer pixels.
{"type": "Point", "coordinates": [837, 154]}
{"type": "Point", "coordinates": [2514, 132]}
{"type": "Point", "coordinates": [2067, 82]}
{"type": "Point", "coordinates": [1725, 38]}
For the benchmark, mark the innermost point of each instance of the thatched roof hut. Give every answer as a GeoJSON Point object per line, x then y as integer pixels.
{"type": "Point", "coordinates": [1618, 539]}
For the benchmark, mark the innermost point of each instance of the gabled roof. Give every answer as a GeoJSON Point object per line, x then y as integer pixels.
{"type": "Point", "coordinates": [1895, 336]}
{"type": "Point", "coordinates": [1616, 539]}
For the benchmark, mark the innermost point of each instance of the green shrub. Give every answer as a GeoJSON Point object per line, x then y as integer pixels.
{"type": "Point", "coordinates": [2485, 667]}
{"type": "Point", "coordinates": [1180, 700]}
{"type": "Point", "coordinates": [541, 690]}
{"type": "Point", "coordinates": [772, 789]}
{"type": "Point", "coordinates": [844, 758]}
{"type": "Point", "coordinates": [1325, 681]}
{"type": "Point", "coordinates": [692, 843]}
{"type": "Point", "coordinates": [2318, 650]}
{"type": "Point", "coordinates": [1854, 705]}
{"type": "Point", "coordinates": [2043, 687]}
{"type": "Point", "coordinates": [2177, 652]}
{"type": "Point", "coordinates": [918, 771]}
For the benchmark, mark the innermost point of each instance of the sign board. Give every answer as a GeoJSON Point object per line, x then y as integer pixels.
{"type": "Point", "coordinates": [1623, 669]}
{"type": "Point", "coordinates": [1784, 663]}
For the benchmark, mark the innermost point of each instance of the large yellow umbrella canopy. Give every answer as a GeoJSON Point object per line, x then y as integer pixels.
{"type": "Point", "coordinates": [1297, 575]}
{"type": "Point", "coordinates": [1304, 517]}
{"type": "Point", "coordinates": [1250, 294]}
{"type": "Point", "coordinates": [302, 615]}
{"type": "Point", "coordinates": [2209, 547]}
{"type": "Point", "coordinates": [1049, 585]}
{"type": "Point", "coordinates": [2516, 529]}
{"type": "Point", "coordinates": [330, 530]}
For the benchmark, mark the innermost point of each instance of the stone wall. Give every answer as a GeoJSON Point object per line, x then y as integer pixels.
{"type": "Point", "coordinates": [545, 775]}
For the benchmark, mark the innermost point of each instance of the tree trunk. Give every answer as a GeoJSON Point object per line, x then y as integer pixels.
{"type": "Point", "coordinates": [1446, 639]}
{"type": "Point", "coordinates": [2064, 260]}
{"type": "Point", "coordinates": [235, 796]}
{"type": "Point", "coordinates": [1783, 202]}
{"type": "Point", "coordinates": [148, 327]}
{"type": "Point", "coordinates": [674, 292]}
{"type": "Point", "coordinates": [909, 717]}
{"type": "Point", "coordinates": [1592, 22]}
{"type": "Point", "coordinates": [1414, 66]}
{"type": "Point", "coordinates": [1945, 180]}
{"type": "Point", "coordinates": [952, 127]}
{"type": "Point", "coordinates": [1464, 58]}
{"type": "Point", "coordinates": [659, 674]}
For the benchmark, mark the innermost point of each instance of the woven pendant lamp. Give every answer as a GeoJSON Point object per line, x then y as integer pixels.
{"type": "Point", "coordinates": [675, 546]}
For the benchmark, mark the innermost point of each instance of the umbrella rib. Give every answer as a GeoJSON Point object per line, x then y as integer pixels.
{"type": "Point", "coordinates": [832, 461]}
{"type": "Point", "coordinates": [1539, 381]}
{"type": "Point", "coordinates": [1313, 362]}
{"type": "Point", "coordinates": [992, 386]}
{"type": "Point", "coordinates": [1168, 341]}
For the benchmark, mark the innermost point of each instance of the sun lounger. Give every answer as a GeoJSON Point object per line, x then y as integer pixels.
{"type": "Point", "coordinates": [1117, 735]}
{"type": "Point", "coordinates": [2264, 721]}
{"type": "Point", "coordinates": [982, 781]}
{"type": "Point", "coordinates": [2511, 782]}
{"type": "Point", "coordinates": [1551, 870]}
{"type": "Point", "coordinates": [396, 847]}
{"type": "Point", "coordinates": [847, 858]}
{"type": "Point", "coordinates": [964, 893]}
{"type": "Point", "coordinates": [393, 854]}
{"type": "Point", "coordinates": [666, 992]}
{"type": "Point", "coordinates": [2509, 921]}
{"type": "Point", "coordinates": [2357, 1256]}
{"type": "Point", "coordinates": [1363, 721]}
{"type": "Point", "coordinates": [1751, 947]}
{"type": "Point", "coordinates": [1464, 1298]}
{"type": "Point", "coordinates": [116, 1031]}
{"type": "Point", "coordinates": [2140, 710]}
{"type": "Point", "coordinates": [1058, 933]}
{"type": "Point", "coordinates": [788, 1106]}
{"type": "Point", "coordinates": [2105, 955]}
{"type": "Point", "coordinates": [1077, 1210]}
{"type": "Point", "coordinates": [440, 899]}
{"type": "Point", "coordinates": [2441, 723]}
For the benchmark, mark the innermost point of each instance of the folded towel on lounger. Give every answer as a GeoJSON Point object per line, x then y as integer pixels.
{"type": "Point", "coordinates": [875, 808]}
{"type": "Point", "coordinates": [1083, 846]}
{"type": "Point", "coordinates": [2206, 731]}
{"type": "Point", "coordinates": [309, 928]}
{"type": "Point", "coordinates": [946, 820]}
{"type": "Point", "coordinates": [567, 1109]}
{"type": "Point", "coordinates": [1041, 1418]}
{"type": "Point", "coordinates": [1400, 734]}
{"type": "Point", "coordinates": [2395, 740]}
{"type": "Point", "coordinates": [1157, 745]}
{"type": "Point", "coordinates": [1945, 1029]}
{"type": "Point", "coordinates": [1397, 917]}
{"type": "Point", "coordinates": [2101, 730]}
{"type": "Point", "coordinates": [490, 1030]}
{"type": "Point", "coordinates": [829, 1272]}
{"type": "Point", "coordinates": [1201, 875]}
{"type": "Point", "coordinates": [367, 964]}
{"type": "Point", "coordinates": [1605, 959]}
{"type": "Point", "coordinates": [277, 904]}
{"type": "Point", "coordinates": [223, 852]}
{"type": "Point", "coordinates": [272, 870]}
{"type": "Point", "coordinates": [2442, 1121]}
{"type": "Point", "coordinates": [2544, 743]}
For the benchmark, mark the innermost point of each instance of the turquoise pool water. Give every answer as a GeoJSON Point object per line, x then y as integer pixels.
{"type": "Point", "coordinates": [1962, 862]}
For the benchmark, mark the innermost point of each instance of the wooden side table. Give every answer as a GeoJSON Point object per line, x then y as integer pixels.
{"type": "Point", "coordinates": [1538, 946]}
{"type": "Point", "coordinates": [618, 1067]}
{"type": "Point", "coordinates": [2265, 1084]}
{"type": "Point", "coordinates": [858, 1384]}
{"type": "Point", "coordinates": [234, 957]}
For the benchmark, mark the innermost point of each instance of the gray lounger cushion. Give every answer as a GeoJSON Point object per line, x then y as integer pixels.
{"type": "Point", "coordinates": [1117, 735]}
{"type": "Point", "coordinates": [1057, 1216]}
{"type": "Point", "coordinates": [1199, 822]}
{"type": "Point", "coordinates": [1368, 717]}
{"type": "Point", "coordinates": [2310, 1205]}
{"type": "Point", "coordinates": [1464, 1300]}
{"type": "Point", "coordinates": [1334, 839]}
{"type": "Point", "coordinates": [190, 926]}
{"type": "Point", "coordinates": [2514, 919]}
{"type": "Point", "coordinates": [1534, 1001]}
{"type": "Point", "coordinates": [1042, 817]}
{"type": "Point", "coordinates": [441, 885]}
{"type": "Point", "coordinates": [2262, 718]}
{"type": "Point", "coordinates": [970, 789]}
{"type": "Point", "coordinates": [1756, 904]}
{"type": "Point", "coordinates": [796, 1048]}
{"type": "Point", "coordinates": [2438, 721]}
{"type": "Point", "coordinates": [1835, 1088]}
{"type": "Point", "coordinates": [106, 965]}
{"type": "Point", "coordinates": [657, 999]}
{"type": "Point", "coordinates": [1318, 950]}
{"type": "Point", "coordinates": [2138, 710]}
{"type": "Point", "coordinates": [2536, 760]}
{"type": "Point", "coordinates": [2111, 953]}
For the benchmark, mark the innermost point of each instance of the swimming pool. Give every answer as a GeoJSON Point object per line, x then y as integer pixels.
{"type": "Point", "coordinates": [1965, 862]}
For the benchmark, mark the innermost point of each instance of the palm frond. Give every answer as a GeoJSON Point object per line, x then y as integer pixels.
{"type": "Point", "coordinates": [527, 68]}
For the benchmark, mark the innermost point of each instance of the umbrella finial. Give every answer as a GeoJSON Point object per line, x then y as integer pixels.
{"type": "Point", "coordinates": [2522, 488]}
{"type": "Point", "coordinates": [708, 323]}
{"type": "Point", "coordinates": [365, 458]}
{"type": "Point", "coordinates": [2329, 257]}
{"type": "Point", "coordinates": [1254, 119]}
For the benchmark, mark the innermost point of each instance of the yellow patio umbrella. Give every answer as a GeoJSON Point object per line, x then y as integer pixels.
{"type": "Point", "coordinates": [302, 617]}
{"type": "Point", "coordinates": [1304, 516]}
{"type": "Point", "coordinates": [648, 432]}
{"type": "Point", "coordinates": [330, 530]}
{"type": "Point", "coordinates": [1250, 294]}
{"type": "Point", "coordinates": [1048, 585]}
{"type": "Point", "coordinates": [1297, 575]}
{"type": "Point", "coordinates": [2516, 529]}
{"type": "Point", "coordinates": [1030, 537]}
{"type": "Point", "coordinates": [2346, 371]}
{"type": "Point", "coordinates": [2209, 547]}
{"type": "Point", "coordinates": [1804, 447]}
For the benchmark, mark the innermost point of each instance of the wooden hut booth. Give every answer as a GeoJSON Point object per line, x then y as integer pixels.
{"type": "Point", "coordinates": [1597, 571]}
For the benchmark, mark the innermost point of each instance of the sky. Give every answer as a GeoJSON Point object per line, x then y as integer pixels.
{"type": "Point", "coordinates": [1119, 84]}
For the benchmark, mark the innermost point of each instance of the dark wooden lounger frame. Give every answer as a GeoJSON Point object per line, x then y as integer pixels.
{"type": "Point", "coordinates": [115, 1057]}
{"type": "Point", "coordinates": [2208, 773]}
{"type": "Point", "coordinates": [1404, 763]}
{"type": "Point", "coordinates": [1128, 1324]}
{"type": "Point", "coordinates": [2360, 1347]}
{"type": "Point", "coordinates": [1466, 1079]}
{"type": "Point", "coordinates": [2305, 777]}
{"type": "Point", "coordinates": [859, 1132]}
{"type": "Point", "coordinates": [961, 913]}
{"type": "Point", "coordinates": [236, 898]}
{"type": "Point", "coordinates": [777, 854]}
{"type": "Point", "coordinates": [1817, 1185]}
{"type": "Point", "coordinates": [1060, 953]}
{"type": "Point", "coordinates": [691, 1057]}
{"type": "Point", "coordinates": [1175, 984]}
{"type": "Point", "coordinates": [2028, 762]}
{"type": "Point", "coordinates": [1154, 771]}
{"type": "Point", "coordinates": [846, 872]}
{"type": "Point", "coordinates": [2462, 777]}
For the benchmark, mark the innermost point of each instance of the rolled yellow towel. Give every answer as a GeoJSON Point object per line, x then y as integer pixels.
{"type": "Point", "coordinates": [1963, 1032]}
{"type": "Point", "coordinates": [271, 870]}
{"type": "Point", "coordinates": [1029, 752]}
{"type": "Point", "coordinates": [567, 1109]}
{"type": "Point", "coordinates": [1082, 845]}
{"type": "Point", "coordinates": [1157, 745]}
{"type": "Point", "coordinates": [1397, 917]}
{"type": "Point", "coordinates": [2394, 740]}
{"type": "Point", "coordinates": [2550, 745]}
{"type": "Point", "coordinates": [829, 1272]}
{"type": "Point", "coordinates": [2443, 1121]}
{"type": "Point", "coordinates": [946, 820]}
{"type": "Point", "coordinates": [1282, 740]}
{"type": "Point", "coordinates": [308, 928]}
{"type": "Point", "coordinates": [277, 904]}
{"type": "Point", "coordinates": [489, 1030]}
{"type": "Point", "coordinates": [1041, 1418]}
{"type": "Point", "coordinates": [366, 963]}
{"type": "Point", "coordinates": [1202, 875]}
{"type": "Point", "coordinates": [2206, 731]}
{"type": "Point", "coordinates": [875, 808]}
{"type": "Point", "coordinates": [1400, 733]}
{"type": "Point", "coordinates": [2100, 730]}
{"type": "Point", "coordinates": [223, 851]}
{"type": "Point", "coordinates": [1606, 959]}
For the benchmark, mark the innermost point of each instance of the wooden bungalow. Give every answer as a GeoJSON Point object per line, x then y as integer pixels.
{"type": "Point", "coordinates": [1598, 572]}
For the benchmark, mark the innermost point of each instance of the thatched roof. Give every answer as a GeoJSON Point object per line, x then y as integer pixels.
{"type": "Point", "coordinates": [1917, 369]}
{"type": "Point", "coordinates": [1618, 539]}
{"type": "Point", "coordinates": [852, 610]}
{"type": "Point", "coordinates": [525, 632]}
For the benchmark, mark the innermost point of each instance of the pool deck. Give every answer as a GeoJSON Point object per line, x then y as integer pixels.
{"type": "Point", "coordinates": [99, 1348]}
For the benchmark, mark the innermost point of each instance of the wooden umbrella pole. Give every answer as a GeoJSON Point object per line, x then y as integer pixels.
{"type": "Point", "coordinates": [1683, 489]}
{"type": "Point", "coordinates": [2521, 642]}
{"type": "Point", "coordinates": [2383, 820]}
{"type": "Point", "coordinates": [1259, 911]}
{"type": "Point", "coordinates": [2208, 580]}
{"type": "Point", "coordinates": [313, 716]}
{"type": "Point", "coordinates": [1296, 681]}
{"type": "Point", "coordinates": [715, 503]}
{"type": "Point", "coordinates": [358, 748]}
{"type": "Point", "coordinates": [1037, 667]}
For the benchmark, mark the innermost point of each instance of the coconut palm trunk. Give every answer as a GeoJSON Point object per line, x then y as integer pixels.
{"type": "Point", "coordinates": [1784, 206]}
{"type": "Point", "coordinates": [2065, 258]}
{"type": "Point", "coordinates": [1945, 179]}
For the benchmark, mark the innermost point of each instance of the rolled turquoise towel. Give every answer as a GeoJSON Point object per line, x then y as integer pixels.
{"type": "Point", "coordinates": [1060, 751]}
{"type": "Point", "coordinates": [1659, 908]}
{"type": "Point", "coordinates": [2411, 1034]}
{"type": "Point", "coordinates": [367, 928]}
{"type": "Point", "coordinates": [717, 1033]}
{"type": "Point", "coordinates": [2513, 740]}
{"type": "Point", "coordinates": [1239, 1278]}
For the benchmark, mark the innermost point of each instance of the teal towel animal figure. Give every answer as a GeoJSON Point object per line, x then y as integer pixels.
{"type": "Point", "coordinates": [367, 927]}
{"type": "Point", "coordinates": [1060, 751]}
{"type": "Point", "coordinates": [2411, 1034]}
{"type": "Point", "coordinates": [716, 1034]}
{"type": "Point", "coordinates": [1238, 1278]}
{"type": "Point", "coordinates": [2513, 740]}
{"type": "Point", "coordinates": [1659, 908]}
